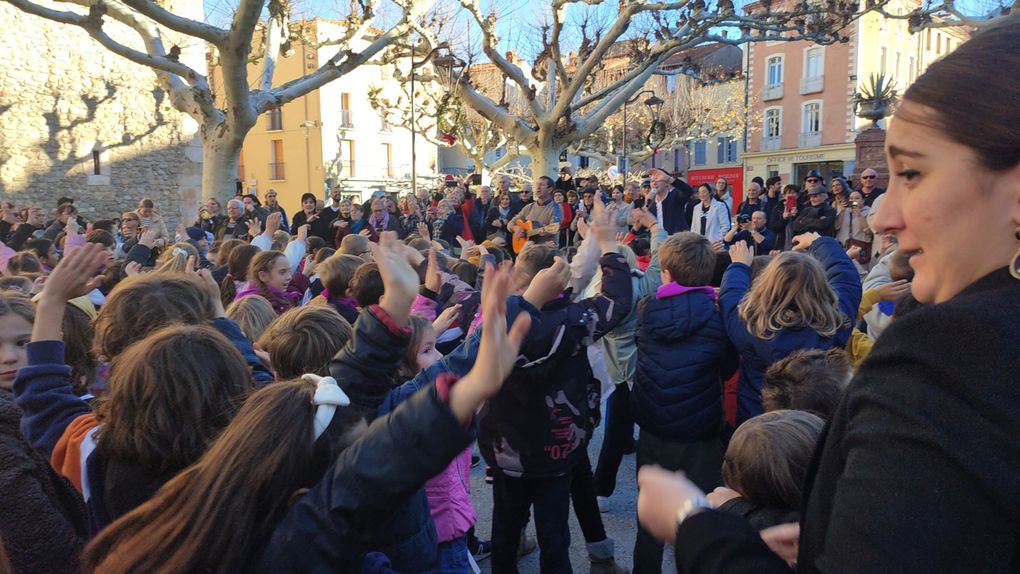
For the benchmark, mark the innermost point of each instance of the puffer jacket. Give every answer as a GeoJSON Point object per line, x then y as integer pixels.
{"type": "Point", "coordinates": [758, 354]}
{"type": "Point", "coordinates": [683, 357]}
{"type": "Point", "coordinates": [538, 423]}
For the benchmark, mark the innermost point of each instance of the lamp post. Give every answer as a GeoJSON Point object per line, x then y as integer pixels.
{"type": "Point", "coordinates": [652, 102]}
{"type": "Point", "coordinates": [414, 126]}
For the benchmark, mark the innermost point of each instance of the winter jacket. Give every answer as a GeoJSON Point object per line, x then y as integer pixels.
{"type": "Point", "coordinates": [538, 423]}
{"type": "Point", "coordinates": [717, 220]}
{"type": "Point", "coordinates": [758, 354]}
{"type": "Point", "coordinates": [683, 357]}
{"type": "Point", "coordinates": [42, 518]}
{"type": "Point", "coordinates": [820, 219]}
{"type": "Point", "coordinates": [61, 425]}
{"type": "Point", "coordinates": [326, 530]}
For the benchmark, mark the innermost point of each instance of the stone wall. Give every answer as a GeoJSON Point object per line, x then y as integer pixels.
{"type": "Point", "coordinates": [69, 109]}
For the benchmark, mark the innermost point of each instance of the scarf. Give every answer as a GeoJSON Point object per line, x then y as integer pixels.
{"type": "Point", "coordinates": [280, 300]}
{"type": "Point", "coordinates": [379, 224]}
{"type": "Point", "coordinates": [673, 289]}
{"type": "Point", "coordinates": [356, 225]}
{"type": "Point", "coordinates": [340, 300]}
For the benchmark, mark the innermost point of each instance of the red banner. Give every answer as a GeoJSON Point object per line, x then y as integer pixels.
{"type": "Point", "coordinates": [734, 177]}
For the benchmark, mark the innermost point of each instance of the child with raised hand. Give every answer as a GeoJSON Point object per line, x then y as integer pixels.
{"type": "Point", "coordinates": [246, 505]}
{"type": "Point", "coordinates": [805, 299]}
{"type": "Point", "coordinates": [169, 395]}
{"type": "Point", "coordinates": [269, 276]}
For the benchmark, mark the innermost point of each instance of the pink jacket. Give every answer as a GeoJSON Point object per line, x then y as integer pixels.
{"type": "Point", "coordinates": [449, 495]}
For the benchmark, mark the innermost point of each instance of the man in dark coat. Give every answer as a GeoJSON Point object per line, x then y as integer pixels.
{"type": "Point", "coordinates": [669, 200]}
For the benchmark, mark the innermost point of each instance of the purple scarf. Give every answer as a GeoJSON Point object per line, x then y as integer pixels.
{"type": "Point", "coordinates": [673, 289]}
{"type": "Point", "coordinates": [280, 300]}
{"type": "Point", "coordinates": [382, 223]}
{"type": "Point", "coordinates": [341, 300]}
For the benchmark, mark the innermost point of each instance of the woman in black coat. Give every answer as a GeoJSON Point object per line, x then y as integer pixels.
{"type": "Point", "coordinates": [917, 469]}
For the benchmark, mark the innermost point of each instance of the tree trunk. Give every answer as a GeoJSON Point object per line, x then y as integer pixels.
{"type": "Point", "coordinates": [545, 160]}
{"type": "Point", "coordinates": [219, 166]}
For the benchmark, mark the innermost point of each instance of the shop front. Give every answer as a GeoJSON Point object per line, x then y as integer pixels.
{"type": "Point", "coordinates": [734, 177]}
{"type": "Point", "coordinates": [794, 165]}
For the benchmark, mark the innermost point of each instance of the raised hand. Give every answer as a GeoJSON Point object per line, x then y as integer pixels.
{"type": "Point", "coordinates": [433, 276]}
{"type": "Point", "coordinates": [72, 226]}
{"type": "Point", "coordinates": [741, 253]}
{"type": "Point", "coordinates": [445, 319]}
{"type": "Point", "coordinates": [547, 283]}
{"type": "Point", "coordinates": [642, 218]}
{"type": "Point", "coordinates": [302, 232]}
{"type": "Point", "coordinates": [75, 275]}
{"type": "Point", "coordinates": [400, 281]}
{"type": "Point", "coordinates": [254, 227]}
{"type": "Point", "coordinates": [273, 223]}
{"type": "Point", "coordinates": [132, 268]}
{"type": "Point", "coordinates": [602, 230]}
{"type": "Point", "coordinates": [423, 231]}
{"type": "Point", "coordinates": [497, 352]}
{"type": "Point", "coordinates": [893, 291]}
{"type": "Point", "coordinates": [148, 237]}
{"type": "Point", "coordinates": [804, 241]}
{"type": "Point", "coordinates": [209, 282]}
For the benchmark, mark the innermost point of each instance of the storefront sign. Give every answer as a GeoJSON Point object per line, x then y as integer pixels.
{"type": "Point", "coordinates": [734, 177]}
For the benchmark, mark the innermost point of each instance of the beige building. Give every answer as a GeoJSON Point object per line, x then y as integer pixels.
{"type": "Point", "coordinates": [804, 92]}
{"type": "Point", "coordinates": [332, 135]}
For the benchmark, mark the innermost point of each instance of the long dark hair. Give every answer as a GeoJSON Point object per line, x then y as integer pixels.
{"type": "Point", "coordinates": [215, 515]}
{"type": "Point", "coordinates": [985, 120]}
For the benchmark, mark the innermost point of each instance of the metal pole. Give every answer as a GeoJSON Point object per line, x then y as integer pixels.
{"type": "Point", "coordinates": [626, 160]}
{"type": "Point", "coordinates": [414, 133]}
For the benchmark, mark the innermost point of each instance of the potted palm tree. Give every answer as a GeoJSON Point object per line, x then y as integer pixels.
{"type": "Point", "coordinates": [875, 99]}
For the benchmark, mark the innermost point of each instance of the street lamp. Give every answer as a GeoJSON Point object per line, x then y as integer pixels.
{"type": "Point", "coordinates": [654, 104]}
{"type": "Point", "coordinates": [657, 131]}
{"type": "Point", "coordinates": [414, 126]}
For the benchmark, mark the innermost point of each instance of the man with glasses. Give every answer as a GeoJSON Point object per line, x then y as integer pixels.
{"type": "Point", "coordinates": [668, 200]}
{"type": "Point", "coordinates": [869, 190]}
{"type": "Point", "coordinates": [812, 182]}
{"type": "Point", "coordinates": [127, 237]}
{"type": "Point", "coordinates": [273, 206]}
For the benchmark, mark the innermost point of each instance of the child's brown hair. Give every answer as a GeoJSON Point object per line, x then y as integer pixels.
{"type": "Point", "coordinates": [768, 456]}
{"type": "Point", "coordinates": [23, 262]}
{"type": "Point", "coordinates": [144, 303]}
{"type": "Point", "coordinates": [305, 340]}
{"type": "Point", "coordinates": [337, 273]}
{"type": "Point", "coordinates": [262, 263]}
{"type": "Point", "coordinates": [170, 394]}
{"type": "Point", "coordinates": [688, 257]}
{"type": "Point", "coordinates": [420, 327]}
{"type": "Point", "coordinates": [367, 285]}
{"type": "Point", "coordinates": [807, 380]}
{"type": "Point", "coordinates": [237, 263]}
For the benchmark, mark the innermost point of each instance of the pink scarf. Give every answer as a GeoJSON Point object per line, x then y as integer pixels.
{"type": "Point", "coordinates": [673, 289]}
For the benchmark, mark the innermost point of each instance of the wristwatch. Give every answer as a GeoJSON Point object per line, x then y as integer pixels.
{"type": "Point", "coordinates": [691, 506]}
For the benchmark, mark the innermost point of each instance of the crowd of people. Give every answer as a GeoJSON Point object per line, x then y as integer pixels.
{"type": "Point", "coordinates": [830, 366]}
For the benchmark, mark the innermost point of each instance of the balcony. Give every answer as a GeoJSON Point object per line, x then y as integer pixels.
{"type": "Point", "coordinates": [812, 85]}
{"type": "Point", "coordinates": [773, 92]}
{"type": "Point", "coordinates": [346, 119]}
{"type": "Point", "coordinates": [276, 172]}
{"type": "Point", "coordinates": [771, 143]}
{"type": "Point", "coordinates": [811, 139]}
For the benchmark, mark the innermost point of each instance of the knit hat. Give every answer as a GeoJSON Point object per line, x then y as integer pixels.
{"type": "Point", "coordinates": [195, 234]}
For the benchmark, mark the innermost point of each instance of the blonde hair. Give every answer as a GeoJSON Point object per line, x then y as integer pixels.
{"type": "Point", "coordinates": [253, 314]}
{"type": "Point", "coordinates": [792, 292]}
{"type": "Point", "coordinates": [175, 258]}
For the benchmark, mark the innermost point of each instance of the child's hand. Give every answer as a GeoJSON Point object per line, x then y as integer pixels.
{"type": "Point", "coordinates": [893, 291]}
{"type": "Point", "coordinates": [209, 282]}
{"type": "Point", "coordinates": [132, 268]}
{"type": "Point", "coordinates": [602, 230]}
{"type": "Point", "coordinates": [804, 241]}
{"type": "Point", "coordinates": [741, 253]}
{"type": "Point", "coordinates": [498, 350]}
{"type": "Point", "coordinates": [445, 319]}
{"type": "Point", "coordinates": [76, 274]}
{"type": "Point", "coordinates": [254, 227]}
{"type": "Point", "coordinates": [400, 281]}
{"type": "Point", "coordinates": [661, 494]}
{"type": "Point", "coordinates": [302, 232]}
{"type": "Point", "coordinates": [548, 283]}
{"type": "Point", "coordinates": [72, 226]}
{"type": "Point", "coordinates": [272, 223]}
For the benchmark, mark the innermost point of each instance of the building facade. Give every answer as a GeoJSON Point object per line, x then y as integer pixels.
{"type": "Point", "coordinates": [81, 122]}
{"type": "Point", "coordinates": [804, 92]}
{"type": "Point", "coordinates": [332, 136]}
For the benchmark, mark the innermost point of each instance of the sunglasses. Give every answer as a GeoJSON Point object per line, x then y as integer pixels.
{"type": "Point", "coordinates": [812, 180]}
{"type": "Point", "coordinates": [868, 177]}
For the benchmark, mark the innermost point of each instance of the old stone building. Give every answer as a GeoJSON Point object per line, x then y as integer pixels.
{"type": "Point", "coordinates": [79, 121]}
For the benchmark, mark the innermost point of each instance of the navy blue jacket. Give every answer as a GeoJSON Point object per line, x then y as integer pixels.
{"type": "Point", "coordinates": [674, 208]}
{"type": "Point", "coordinates": [683, 357]}
{"type": "Point", "coordinates": [758, 354]}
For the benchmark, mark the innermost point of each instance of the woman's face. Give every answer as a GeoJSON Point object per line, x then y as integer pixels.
{"type": "Point", "coordinates": [15, 333]}
{"type": "Point", "coordinates": [705, 195]}
{"type": "Point", "coordinates": [308, 205]}
{"type": "Point", "coordinates": [954, 238]}
{"type": "Point", "coordinates": [572, 197]}
{"type": "Point", "coordinates": [856, 196]}
{"type": "Point", "coordinates": [836, 186]}
{"type": "Point", "coordinates": [558, 197]}
{"type": "Point", "coordinates": [354, 212]}
{"type": "Point", "coordinates": [278, 275]}
{"type": "Point", "coordinates": [345, 207]}
{"type": "Point", "coordinates": [428, 355]}
{"type": "Point", "coordinates": [617, 195]}
{"type": "Point", "coordinates": [504, 200]}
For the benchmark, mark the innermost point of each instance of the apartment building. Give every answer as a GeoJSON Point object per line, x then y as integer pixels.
{"type": "Point", "coordinates": [332, 135]}
{"type": "Point", "coordinates": [804, 92]}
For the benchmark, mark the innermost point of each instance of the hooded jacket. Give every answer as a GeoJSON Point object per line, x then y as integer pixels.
{"type": "Point", "coordinates": [683, 357]}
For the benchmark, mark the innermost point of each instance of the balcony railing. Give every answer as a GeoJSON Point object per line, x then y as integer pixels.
{"type": "Point", "coordinates": [346, 119]}
{"type": "Point", "coordinates": [276, 171]}
{"type": "Point", "coordinates": [812, 85]}
{"type": "Point", "coordinates": [811, 139]}
{"type": "Point", "coordinates": [771, 143]}
{"type": "Point", "coordinates": [773, 92]}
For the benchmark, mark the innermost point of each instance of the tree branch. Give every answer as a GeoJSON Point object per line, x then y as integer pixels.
{"type": "Point", "coordinates": [180, 24]}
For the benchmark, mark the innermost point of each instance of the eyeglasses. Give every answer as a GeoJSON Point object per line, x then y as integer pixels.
{"type": "Point", "coordinates": [868, 177]}
{"type": "Point", "coordinates": [812, 180]}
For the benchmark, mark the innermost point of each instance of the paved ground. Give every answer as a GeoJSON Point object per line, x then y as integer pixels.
{"type": "Point", "coordinates": [620, 521]}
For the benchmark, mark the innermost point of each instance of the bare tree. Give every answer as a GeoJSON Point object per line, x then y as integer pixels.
{"type": "Point", "coordinates": [564, 104]}
{"type": "Point", "coordinates": [223, 128]}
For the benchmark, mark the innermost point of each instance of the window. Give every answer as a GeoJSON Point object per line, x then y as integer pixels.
{"type": "Point", "coordinates": [811, 124]}
{"type": "Point", "coordinates": [583, 162]}
{"type": "Point", "coordinates": [912, 72]}
{"type": "Point", "coordinates": [274, 119]}
{"type": "Point", "coordinates": [896, 69]}
{"type": "Point", "coordinates": [772, 170]}
{"type": "Point", "coordinates": [346, 117]}
{"type": "Point", "coordinates": [388, 154]}
{"type": "Point", "coordinates": [726, 150]}
{"type": "Point", "coordinates": [95, 162]}
{"type": "Point", "coordinates": [700, 152]}
{"type": "Point", "coordinates": [670, 84]}
{"type": "Point", "coordinates": [814, 70]}
{"type": "Point", "coordinates": [927, 42]}
{"type": "Point", "coordinates": [347, 158]}
{"type": "Point", "coordinates": [731, 151]}
{"type": "Point", "coordinates": [774, 78]}
{"type": "Point", "coordinates": [773, 132]}
{"type": "Point", "coordinates": [882, 66]}
{"type": "Point", "coordinates": [938, 43]}
{"type": "Point", "coordinates": [276, 160]}
{"type": "Point", "coordinates": [947, 44]}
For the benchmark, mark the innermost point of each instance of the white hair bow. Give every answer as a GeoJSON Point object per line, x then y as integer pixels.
{"type": "Point", "coordinates": [328, 396]}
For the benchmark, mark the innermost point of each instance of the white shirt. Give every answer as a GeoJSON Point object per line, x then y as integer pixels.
{"type": "Point", "coordinates": [658, 208]}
